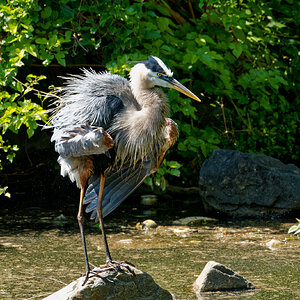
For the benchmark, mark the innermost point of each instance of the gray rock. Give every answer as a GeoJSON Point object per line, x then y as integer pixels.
{"type": "Point", "coordinates": [121, 285]}
{"type": "Point", "coordinates": [195, 220]}
{"type": "Point", "coordinates": [216, 277]}
{"type": "Point", "coordinates": [240, 184]}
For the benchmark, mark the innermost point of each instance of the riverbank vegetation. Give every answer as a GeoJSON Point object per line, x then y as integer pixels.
{"type": "Point", "coordinates": [243, 56]}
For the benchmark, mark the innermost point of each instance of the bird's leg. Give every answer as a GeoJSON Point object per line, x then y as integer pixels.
{"type": "Point", "coordinates": [100, 217]}
{"type": "Point", "coordinates": [80, 219]}
{"type": "Point", "coordinates": [109, 262]}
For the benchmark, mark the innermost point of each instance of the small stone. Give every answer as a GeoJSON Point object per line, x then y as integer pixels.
{"type": "Point", "coordinates": [146, 225]}
{"type": "Point", "coordinates": [216, 277]}
{"type": "Point", "coordinates": [150, 212]}
{"type": "Point", "coordinates": [149, 199]}
{"type": "Point", "coordinates": [182, 232]}
{"type": "Point", "coordinates": [274, 244]}
{"type": "Point", "coordinates": [60, 221]}
{"type": "Point", "coordinates": [125, 241]}
{"type": "Point", "coordinates": [194, 221]}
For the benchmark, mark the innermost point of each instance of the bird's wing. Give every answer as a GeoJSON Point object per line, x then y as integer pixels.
{"type": "Point", "coordinates": [86, 108]}
{"type": "Point", "coordinates": [118, 186]}
{"type": "Point", "coordinates": [91, 98]}
{"type": "Point", "coordinates": [81, 140]}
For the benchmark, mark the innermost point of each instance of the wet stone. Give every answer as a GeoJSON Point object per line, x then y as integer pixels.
{"type": "Point", "coordinates": [196, 220]}
{"type": "Point", "coordinates": [149, 200]}
{"type": "Point", "coordinates": [217, 277]}
{"type": "Point", "coordinates": [146, 225]}
{"type": "Point", "coordinates": [134, 285]}
{"type": "Point", "coordinates": [274, 244]}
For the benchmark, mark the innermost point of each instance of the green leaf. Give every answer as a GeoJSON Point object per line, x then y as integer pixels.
{"type": "Point", "coordinates": [276, 24]}
{"type": "Point", "coordinates": [157, 180]}
{"type": "Point", "coordinates": [254, 105]}
{"type": "Point", "coordinates": [293, 228]}
{"type": "Point", "coordinates": [206, 59]}
{"type": "Point", "coordinates": [149, 181]}
{"type": "Point", "coordinates": [68, 35]}
{"type": "Point", "coordinates": [31, 49]}
{"type": "Point", "coordinates": [163, 24]}
{"type": "Point", "coordinates": [175, 172]}
{"type": "Point", "coordinates": [3, 191]}
{"type": "Point", "coordinates": [237, 49]}
{"type": "Point", "coordinates": [31, 126]}
{"type": "Point", "coordinates": [297, 231]}
{"type": "Point", "coordinates": [207, 38]}
{"type": "Point", "coordinates": [203, 147]}
{"type": "Point", "coordinates": [182, 147]}
{"type": "Point", "coordinates": [60, 57]}
{"type": "Point", "coordinates": [239, 34]}
{"type": "Point", "coordinates": [46, 13]}
{"type": "Point", "coordinates": [13, 26]}
{"type": "Point", "coordinates": [173, 164]}
{"type": "Point", "coordinates": [163, 183]}
{"type": "Point", "coordinates": [41, 40]}
{"type": "Point", "coordinates": [10, 157]}
{"type": "Point", "coordinates": [266, 104]}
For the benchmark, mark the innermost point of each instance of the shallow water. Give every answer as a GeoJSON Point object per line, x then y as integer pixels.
{"type": "Point", "coordinates": [39, 254]}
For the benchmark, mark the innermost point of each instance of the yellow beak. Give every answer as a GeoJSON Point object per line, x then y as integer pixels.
{"type": "Point", "coordinates": [174, 84]}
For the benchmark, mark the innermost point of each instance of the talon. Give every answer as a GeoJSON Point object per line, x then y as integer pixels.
{"type": "Point", "coordinates": [116, 265]}
{"type": "Point", "coordinates": [91, 273]}
{"type": "Point", "coordinates": [92, 265]}
{"type": "Point", "coordinates": [128, 263]}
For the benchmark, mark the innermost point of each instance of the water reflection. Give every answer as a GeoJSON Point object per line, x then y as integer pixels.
{"type": "Point", "coordinates": [40, 252]}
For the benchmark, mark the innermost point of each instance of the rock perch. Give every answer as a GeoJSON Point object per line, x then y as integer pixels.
{"type": "Point", "coordinates": [117, 285]}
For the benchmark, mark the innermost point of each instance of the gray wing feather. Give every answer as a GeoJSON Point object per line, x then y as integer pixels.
{"type": "Point", "coordinates": [89, 99]}
{"type": "Point", "coordinates": [80, 141]}
{"type": "Point", "coordinates": [118, 187]}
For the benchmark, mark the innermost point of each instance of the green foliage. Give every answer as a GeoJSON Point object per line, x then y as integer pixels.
{"type": "Point", "coordinates": [242, 55]}
{"type": "Point", "coordinates": [295, 229]}
{"type": "Point", "coordinates": [3, 191]}
{"type": "Point", "coordinates": [159, 178]}
{"type": "Point", "coordinates": [16, 111]}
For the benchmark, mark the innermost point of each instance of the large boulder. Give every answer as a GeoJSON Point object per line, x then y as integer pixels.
{"type": "Point", "coordinates": [249, 185]}
{"type": "Point", "coordinates": [115, 285]}
{"type": "Point", "coordinates": [216, 277]}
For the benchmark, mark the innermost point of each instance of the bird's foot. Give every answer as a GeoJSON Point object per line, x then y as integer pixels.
{"type": "Point", "coordinates": [116, 265]}
{"type": "Point", "coordinates": [95, 273]}
{"type": "Point", "coordinates": [110, 265]}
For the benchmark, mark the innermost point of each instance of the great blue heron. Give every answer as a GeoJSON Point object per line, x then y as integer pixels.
{"type": "Point", "coordinates": [111, 133]}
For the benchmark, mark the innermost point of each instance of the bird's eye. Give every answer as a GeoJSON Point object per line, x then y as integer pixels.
{"type": "Point", "coordinates": [159, 74]}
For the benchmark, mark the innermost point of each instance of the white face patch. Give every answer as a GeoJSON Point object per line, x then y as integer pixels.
{"type": "Point", "coordinates": [156, 80]}
{"type": "Point", "coordinates": [163, 66]}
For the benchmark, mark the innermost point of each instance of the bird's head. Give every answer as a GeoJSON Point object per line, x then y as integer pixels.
{"type": "Point", "coordinates": [154, 72]}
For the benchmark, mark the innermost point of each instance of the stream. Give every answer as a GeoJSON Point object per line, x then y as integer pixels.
{"type": "Point", "coordinates": [41, 251]}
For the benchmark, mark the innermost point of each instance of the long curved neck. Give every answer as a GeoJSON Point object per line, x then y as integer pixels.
{"type": "Point", "coordinates": [152, 100]}
{"type": "Point", "coordinates": [139, 132]}
{"type": "Point", "coordinates": [154, 111]}
{"type": "Point", "coordinates": [140, 84]}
